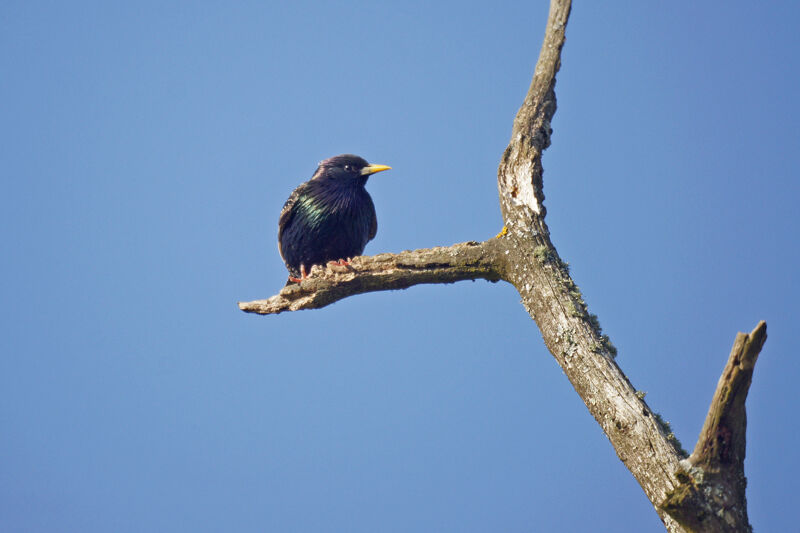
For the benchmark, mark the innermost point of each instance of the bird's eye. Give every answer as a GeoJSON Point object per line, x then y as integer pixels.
{"type": "Point", "coordinates": [348, 168]}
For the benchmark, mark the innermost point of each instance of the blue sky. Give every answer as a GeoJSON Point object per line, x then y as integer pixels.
{"type": "Point", "coordinates": [146, 152]}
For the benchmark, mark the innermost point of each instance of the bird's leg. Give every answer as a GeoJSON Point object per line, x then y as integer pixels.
{"type": "Point", "coordinates": [340, 262]}
{"type": "Point", "coordinates": [303, 275]}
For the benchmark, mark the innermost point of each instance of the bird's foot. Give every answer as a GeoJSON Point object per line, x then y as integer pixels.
{"type": "Point", "coordinates": [303, 275]}
{"type": "Point", "coordinates": [341, 265]}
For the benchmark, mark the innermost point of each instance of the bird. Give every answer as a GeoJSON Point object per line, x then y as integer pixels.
{"type": "Point", "coordinates": [329, 218]}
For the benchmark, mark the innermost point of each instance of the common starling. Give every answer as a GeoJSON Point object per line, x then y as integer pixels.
{"type": "Point", "coordinates": [330, 217]}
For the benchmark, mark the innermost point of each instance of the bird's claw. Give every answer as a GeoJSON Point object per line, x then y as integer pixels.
{"type": "Point", "coordinates": [340, 265]}
{"type": "Point", "coordinates": [303, 275]}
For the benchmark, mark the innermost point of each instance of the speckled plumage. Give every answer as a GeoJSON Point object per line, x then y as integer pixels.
{"type": "Point", "coordinates": [329, 217]}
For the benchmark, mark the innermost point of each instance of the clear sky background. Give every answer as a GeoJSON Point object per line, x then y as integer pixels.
{"type": "Point", "coordinates": [146, 151]}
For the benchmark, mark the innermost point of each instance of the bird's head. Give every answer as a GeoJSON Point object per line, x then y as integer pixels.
{"type": "Point", "coordinates": [347, 168]}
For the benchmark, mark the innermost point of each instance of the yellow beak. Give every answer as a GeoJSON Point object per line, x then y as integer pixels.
{"type": "Point", "coordinates": [372, 169]}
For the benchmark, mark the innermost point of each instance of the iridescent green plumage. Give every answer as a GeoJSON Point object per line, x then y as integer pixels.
{"type": "Point", "coordinates": [329, 217]}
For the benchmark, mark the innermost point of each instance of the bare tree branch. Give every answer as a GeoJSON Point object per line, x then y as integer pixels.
{"type": "Point", "coordinates": [520, 175]}
{"type": "Point", "coordinates": [722, 440]}
{"type": "Point", "coordinates": [469, 260]}
{"type": "Point", "coordinates": [717, 463]}
{"type": "Point", "coordinates": [571, 333]}
{"type": "Point", "coordinates": [704, 492]}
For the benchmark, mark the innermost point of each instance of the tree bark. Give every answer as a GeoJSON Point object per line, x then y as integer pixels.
{"type": "Point", "coordinates": [703, 492]}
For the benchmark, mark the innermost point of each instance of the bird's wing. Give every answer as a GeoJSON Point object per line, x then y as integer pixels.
{"type": "Point", "coordinates": [288, 210]}
{"type": "Point", "coordinates": [373, 227]}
